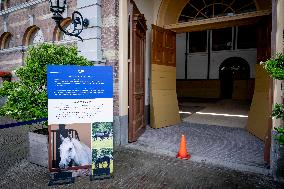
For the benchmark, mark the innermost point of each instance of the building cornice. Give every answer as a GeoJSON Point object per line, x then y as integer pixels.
{"type": "Point", "coordinates": [13, 49]}
{"type": "Point", "coordinates": [24, 48]}
{"type": "Point", "coordinates": [20, 6]}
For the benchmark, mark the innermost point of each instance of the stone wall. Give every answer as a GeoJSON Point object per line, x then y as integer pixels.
{"type": "Point", "coordinates": [110, 29]}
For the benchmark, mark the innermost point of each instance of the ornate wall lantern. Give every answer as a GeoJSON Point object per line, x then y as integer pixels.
{"type": "Point", "coordinates": [57, 7]}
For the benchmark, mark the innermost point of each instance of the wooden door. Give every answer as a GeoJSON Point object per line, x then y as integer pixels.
{"type": "Point", "coordinates": [264, 53]}
{"type": "Point", "coordinates": [163, 46]}
{"type": "Point", "coordinates": [163, 105]}
{"type": "Point", "coordinates": [157, 45]}
{"type": "Point", "coordinates": [136, 74]}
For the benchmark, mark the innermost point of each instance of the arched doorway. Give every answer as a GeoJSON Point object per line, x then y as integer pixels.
{"type": "Point", "coordinates": [32, 35]}
{"type": "Point", "coordinates": [234, 68]}
{"type": "Point", "coordinates": [5, 40]}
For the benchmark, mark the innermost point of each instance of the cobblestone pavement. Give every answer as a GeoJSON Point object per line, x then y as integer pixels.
{"type": "Point", "coordinates": [137, 169]}
{"type": "Point", "coordinates": [133, 169]}
{"type": "Point", "coordinates": [13, 146]}
{"type": "Point", "coordinates": [224, 146]}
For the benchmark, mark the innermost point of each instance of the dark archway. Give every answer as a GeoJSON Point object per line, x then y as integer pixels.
{"type": "Point", "coordinates": [233, 68]}
{"type": "Point", "coordinates": [5, 40]}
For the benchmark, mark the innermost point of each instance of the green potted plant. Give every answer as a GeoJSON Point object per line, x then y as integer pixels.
{"type": "Point", "coordinates": [27, 96]}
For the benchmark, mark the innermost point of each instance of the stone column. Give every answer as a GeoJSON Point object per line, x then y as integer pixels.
{"type": "Point", "coordinates": [91, 46]}
{"type": "Point", "coordinates": [111, 12]}
{"type": "Point", "coordinates": [277, 160]}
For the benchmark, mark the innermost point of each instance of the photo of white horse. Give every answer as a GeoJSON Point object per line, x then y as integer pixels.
{"type": "Point", "coordinates": [74, 153]}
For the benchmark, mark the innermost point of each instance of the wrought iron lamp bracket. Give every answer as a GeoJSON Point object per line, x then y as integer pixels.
{"type": "Point", "coordinates": [77, 21]}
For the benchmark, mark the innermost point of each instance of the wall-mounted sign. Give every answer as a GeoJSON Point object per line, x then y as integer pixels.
{"type": "Point", "coordinates": [80, 116]}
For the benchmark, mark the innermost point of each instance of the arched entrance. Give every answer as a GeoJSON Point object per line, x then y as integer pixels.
{"type": "Point", "coordinates": [234, 68]}
{"type": "Point", "coordinates": [209, 15]}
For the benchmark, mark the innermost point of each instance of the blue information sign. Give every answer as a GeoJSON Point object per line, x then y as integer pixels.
{"type": "Point", "coordinates": [79, 82]}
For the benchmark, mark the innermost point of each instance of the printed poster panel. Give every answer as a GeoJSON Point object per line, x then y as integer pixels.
{"type": "Point", "coordinates": [102, 149]}
{"type": "Point", "coordinates": [80, 116]}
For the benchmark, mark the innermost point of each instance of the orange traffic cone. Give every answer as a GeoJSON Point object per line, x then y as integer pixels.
{"type": "Point", "coordinates": [182, 154]}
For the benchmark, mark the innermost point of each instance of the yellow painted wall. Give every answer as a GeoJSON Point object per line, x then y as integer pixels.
{"type": "Point", "coordinates": [169, 11]}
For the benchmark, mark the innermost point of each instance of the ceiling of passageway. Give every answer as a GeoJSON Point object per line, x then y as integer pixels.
{"type": "Point", "coordinates": [203, 9]}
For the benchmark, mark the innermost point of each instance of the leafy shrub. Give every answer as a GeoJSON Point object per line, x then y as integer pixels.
{"type": "Point", "coordinates": [27, 97]}
{"type": "Point", "coordinates": [278, 113]}
{"type": "Point", "coordinates": [280, 135]}
{"type": "Point", "coordinates": [275, 66]}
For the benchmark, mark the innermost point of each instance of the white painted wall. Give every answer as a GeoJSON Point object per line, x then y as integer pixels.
{"type": "Point", "coordinates": [217, 57]}
{"type": "Point", "coordinates": [197, 62]}
{"type": "Point", "coordinates": [180, 55]}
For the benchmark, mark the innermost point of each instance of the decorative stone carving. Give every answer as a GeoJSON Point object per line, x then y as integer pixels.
{"type": "Point", "coordinates": [31, 19]}
{"type": "Point", "coordinates": [5, 26]}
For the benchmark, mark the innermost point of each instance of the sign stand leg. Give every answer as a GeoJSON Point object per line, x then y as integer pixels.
{"type": "Point", "coordinates": [61, 178]}
{"type": "Point", "coordinates": [100, 174]}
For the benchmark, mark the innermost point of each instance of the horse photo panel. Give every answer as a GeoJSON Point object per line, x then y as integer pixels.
{"type": "Point", "coordinates": [71, 148]}
{"type": "Point", "coordinates": [102, 149]}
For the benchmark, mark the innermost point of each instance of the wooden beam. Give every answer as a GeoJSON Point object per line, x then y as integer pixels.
{"type": "Point", "coordinates": [263, 4]}
{"type": "Point", "coordinates": [218, 22]}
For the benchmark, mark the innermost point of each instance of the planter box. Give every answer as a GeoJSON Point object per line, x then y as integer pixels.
{"type": "Point", "coordinates": [277, 159]}
{"type": "Point", "coordinates": [38, 149]}
{"type": "Point", "coordinates": [280, 164]}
